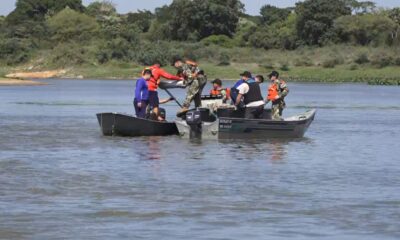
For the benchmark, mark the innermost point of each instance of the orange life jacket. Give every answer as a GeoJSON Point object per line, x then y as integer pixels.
{"type": "Point", "coordinates": [214, 92]}
{"type": "Point", "coordinates": [192, 63]}
{"type": "Point", "coordinates": [273, 91]}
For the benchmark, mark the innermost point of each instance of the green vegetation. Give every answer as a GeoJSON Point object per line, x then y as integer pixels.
{"type": "Point", "coordinates": [317, 40]}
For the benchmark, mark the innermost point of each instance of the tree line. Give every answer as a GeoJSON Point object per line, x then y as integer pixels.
{"type": "Point", "coordinates": [63, 33]}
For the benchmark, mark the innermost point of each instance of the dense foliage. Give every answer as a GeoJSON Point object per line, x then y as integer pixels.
{"type": "Point", "coordinates": [72, 34]}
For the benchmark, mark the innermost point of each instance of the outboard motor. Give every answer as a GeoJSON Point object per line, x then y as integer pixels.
{"type": "Point", "coordinates": [194, 121]}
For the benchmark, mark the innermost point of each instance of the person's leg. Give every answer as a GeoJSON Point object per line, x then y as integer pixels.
{"type": "Point", "coordinates": [202, 83]}
{"type": "Point", "coordinates": [249, 113]}
{"type": "Point", "coordinates": [280, 112]}
{"type": "Point", "coordinates": [259, 112]}
{"type": "Point", "coordinates": [191, 93]}
{"type": "Point", "coordinates": [282, 106]}
{"type": "Point", "coordinates": [142, 110]}
{"type": "Point", "coordinates": [137, 109]}
{"type": "Point", "coordinates": [275, 112]}
{"type": "Point", "coordinates": [154, 102]}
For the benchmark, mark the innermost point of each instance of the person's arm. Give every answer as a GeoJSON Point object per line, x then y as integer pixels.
{"type": "Point", "coordinates": [163, 101]}
{"type": "Point", "coordinates": [243, 89]}
{"type": "Point", "coordinates": [223, 93]}
{"type": "Point", "coordinates": [238, 99]}
{"type": "Point", "coordinates": [285, 90]}
{"type": "Point", "coordinates": [187, 72]}
{"type": "Point", "coordinates": [169, 76]}
{"type": "Point", "coordinates": [138, 90]}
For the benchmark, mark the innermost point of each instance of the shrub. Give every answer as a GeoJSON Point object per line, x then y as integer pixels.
{"type": "Point", "coordinates": [303, 62]}
{"type": "Point", "coordinates": [224, 59]}
{"type": "Point", "coordinates": [331, 63]}
{"type": "Point", "coordinates": [267, 66]}
{"type": "Point", "coordinates": [68, 54]}
{"type": "Point", "coordinates": [381, 60]}
{"type": "Point", "coordinates": [353, 67]}
{"type": "Point", "coordinates": [220, 40]}
{"type": "Point", "coordinates": [362, 59]}
{"type": "Point", "coordinates": [397, 61]}
{"type": "Point", "coordinates": [284, 67]}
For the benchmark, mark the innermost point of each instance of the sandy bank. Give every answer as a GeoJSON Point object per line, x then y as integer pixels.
{"type": "Point", "coordinates": [17, 82]}
{"type": "Point", "coordinates": [30, 75]}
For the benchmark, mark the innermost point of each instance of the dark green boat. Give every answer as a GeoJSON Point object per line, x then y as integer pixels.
{"type": "Point", "coordinates": [119, 124]}
{"type": "Point", "coordinates": [228, 124]}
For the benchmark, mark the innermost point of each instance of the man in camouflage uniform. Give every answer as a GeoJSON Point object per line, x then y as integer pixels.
{"type": "Point", "coordinates": [277, 92]}
{"type": "Point", "coordinates": [194, 78]}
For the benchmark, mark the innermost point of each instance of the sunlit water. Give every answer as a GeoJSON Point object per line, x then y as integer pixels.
{"type": "Point", "coordinates": [61, 179]}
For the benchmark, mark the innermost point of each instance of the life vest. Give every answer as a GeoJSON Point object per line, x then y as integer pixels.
{"type": "Point", "coordinates": [273, 90]}
{"type": "Point", "coordinates": [191, 63]}
{"type": "Point", "coordinates": [214, 92]}
{"type": "Point", "coordinates": [254, 93]}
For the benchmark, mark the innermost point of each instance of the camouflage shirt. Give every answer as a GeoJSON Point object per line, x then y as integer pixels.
{"type": "Point", "coordinates": [190, 72]}
{"type": "Point", "coordinates": [282, 88]}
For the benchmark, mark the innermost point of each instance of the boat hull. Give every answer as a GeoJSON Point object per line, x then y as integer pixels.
{"type": "Point", "coordinates": [228, 128]}
{"type": "Point", "coordinates": [118, 124]}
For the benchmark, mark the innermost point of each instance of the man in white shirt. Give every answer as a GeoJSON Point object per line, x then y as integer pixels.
{"type": "Point", "coordinates": [252, 98]}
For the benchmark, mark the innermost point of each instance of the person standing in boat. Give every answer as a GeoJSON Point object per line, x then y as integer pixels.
{"type": "Point", "coordinates": [246, 76]}
{"type": "Point", "coordinates": [157, 74]}
{"type": "Point", "coordinates": [259, 79]}
{"type": "Point", "coordinates": [250, 94]}
{"type": "Point", "coordinates": [142, 94]}
{"type": "Point", "coordinates": [194, 78]}
{"type": "Point", "coordinates": [277, 92]}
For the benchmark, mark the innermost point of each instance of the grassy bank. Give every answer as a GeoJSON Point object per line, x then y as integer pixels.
{"type": "Point", "coordinates": [331, 64]}
{"type": "Point", "coordinates": [339, 74]}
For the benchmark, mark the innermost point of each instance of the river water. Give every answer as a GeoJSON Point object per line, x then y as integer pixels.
{"type": "Point", "coordinates": [61, 179]}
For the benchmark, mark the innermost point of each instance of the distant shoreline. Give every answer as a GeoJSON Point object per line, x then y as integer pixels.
{"type": "Point", "coordinates": [19, 82]}
{"type": "Point", "coordinates": [313, 74]}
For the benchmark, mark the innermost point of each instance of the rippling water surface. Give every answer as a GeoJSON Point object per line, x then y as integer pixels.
{"type": "Point", "coordinates": [60, 179]}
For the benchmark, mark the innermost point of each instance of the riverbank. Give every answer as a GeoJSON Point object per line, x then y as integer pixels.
{"type": "Point", "coordinates": [338, 74]}
{"type": "Point", "coordinates": [19, 82]}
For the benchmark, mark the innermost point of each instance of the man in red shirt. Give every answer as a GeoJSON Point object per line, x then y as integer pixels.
{"type": "Point", "coordinates": [158, 73]}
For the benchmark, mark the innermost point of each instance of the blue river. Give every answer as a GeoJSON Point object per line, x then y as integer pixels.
{"type": "Point", "coordinates": [61, 179]}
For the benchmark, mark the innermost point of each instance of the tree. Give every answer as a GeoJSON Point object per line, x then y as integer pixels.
{"type": "Point", "coordinates": [365, 29]}
{"type": "Point", "coordinates": [69, 25]}
{"type": "Point", "coordinates": [101, 9]}
{"type": "Point", "coordinates": [360, 7]}
{"type": "Point", "coordinates": [271, 14]}
{"type": "Point", "coordinates": [316, 17]}
{"type": "Point", "coordinates": [142, 19]}
{"type": "Point", "coordinates": [197, 19]}
{"type": "Point", "coordinates": [280, 35]}
{"type": "Point", "coordinates": [37, 10]}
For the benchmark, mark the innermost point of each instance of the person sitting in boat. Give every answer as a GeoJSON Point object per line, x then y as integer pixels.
{"type": "Point", "coordinates": [217, 90]}
{"type": "Point", "coordinates": [245, 77]}
{"type": "Point", "coordinates": [250, 94]}
{"type": "Point", "coordinates": [157, 74]}
{"type": "Point", "coordinates": [142, 94]}
{"type": "Point", "coordinates": [277, 92]}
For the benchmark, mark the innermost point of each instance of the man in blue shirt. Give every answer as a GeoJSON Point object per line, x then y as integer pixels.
{"type": "Point", "coordinates": [245, 77]}
{"type": "Point", "coordinates": [142, 94]}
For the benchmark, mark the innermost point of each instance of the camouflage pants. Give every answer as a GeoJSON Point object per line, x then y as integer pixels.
{"type": "Point", "coordinates": [194, 92]}
{"type": "Point", "coordinates": [277, 109]}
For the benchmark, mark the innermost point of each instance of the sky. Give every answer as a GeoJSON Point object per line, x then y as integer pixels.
{"type": "Point", "coordinates": [252, 6]}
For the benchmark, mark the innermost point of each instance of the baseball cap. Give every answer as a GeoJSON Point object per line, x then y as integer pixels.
{"type": "Point", "coordinates": [246, 74]}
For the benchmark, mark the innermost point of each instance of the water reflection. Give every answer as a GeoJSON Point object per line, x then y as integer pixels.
{"type": "Point", "coordinates": [148, 148]}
